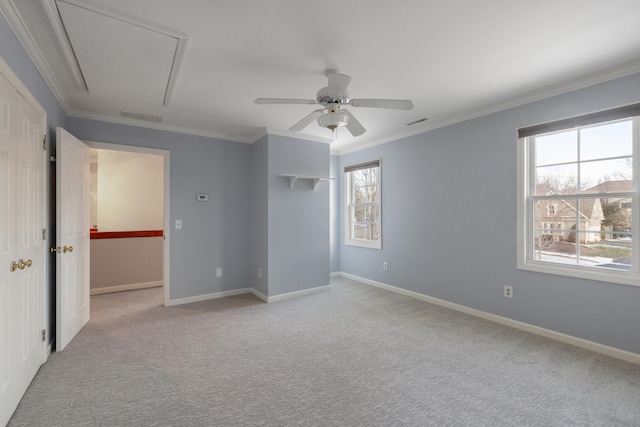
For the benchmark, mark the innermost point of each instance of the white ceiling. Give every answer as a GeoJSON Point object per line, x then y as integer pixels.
{"type": "Point", "coordinates": [455, 59]}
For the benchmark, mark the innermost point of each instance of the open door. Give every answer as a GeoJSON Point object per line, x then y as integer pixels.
{"type": "Point", "coordinates": [72, 241]}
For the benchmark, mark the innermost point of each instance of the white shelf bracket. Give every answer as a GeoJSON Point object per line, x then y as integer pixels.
{"type": "Point", "coordinates": [292, 180]}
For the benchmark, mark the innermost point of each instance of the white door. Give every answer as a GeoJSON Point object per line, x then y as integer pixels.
{"type": "Point", "coordinates": [22, 284]}
{"type": "Point", "coordinates": [72, 231]}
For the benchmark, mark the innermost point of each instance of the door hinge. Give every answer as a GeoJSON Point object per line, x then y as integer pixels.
{"type": "Point", "coordinates": [44, 234]}
{"type": "Point", "coordinates": [44, 142]}
{"type": "Point", "coordinates": [44, 335]}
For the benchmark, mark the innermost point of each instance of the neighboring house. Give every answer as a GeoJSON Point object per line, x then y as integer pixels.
{"type": "Point", "coordinates": [559, 217]}
{"type": "Point", "coordinates": [614, 187]}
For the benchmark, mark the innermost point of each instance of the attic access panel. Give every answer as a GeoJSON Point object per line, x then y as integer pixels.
{"type": "Point", "coordinates": [119, 58]}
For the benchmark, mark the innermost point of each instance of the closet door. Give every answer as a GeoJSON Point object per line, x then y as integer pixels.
{"type": "Point", "coordinates": [8, 279]}
{"type": "Point", "coordinates": [30, 241]}
{"type": "Point", "coordinates": [22, 286]}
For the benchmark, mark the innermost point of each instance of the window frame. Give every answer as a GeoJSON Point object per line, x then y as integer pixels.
{"type": "Point", "coordinates": [348, 205]}
{"type": "Point", "coordinates": [526, 165]}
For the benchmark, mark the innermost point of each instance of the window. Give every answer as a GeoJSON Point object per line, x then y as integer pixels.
{"type": "Point", "coordinates": [363, 225]}
{"type": "Point", "coordinates": [578, 194]}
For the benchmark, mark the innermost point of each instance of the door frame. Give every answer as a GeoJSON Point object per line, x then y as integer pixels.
{"type": "Point", "coordinates": [166, 154]}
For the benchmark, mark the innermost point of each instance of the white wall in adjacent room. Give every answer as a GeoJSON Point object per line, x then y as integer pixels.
{"type": "Point", "coordinates": [130, 191]}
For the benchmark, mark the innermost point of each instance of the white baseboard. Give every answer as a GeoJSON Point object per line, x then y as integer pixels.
{"type": "Point", "coordinates": [548, 333]}
{"type": "Point", "coordinates": [334, 274]}
{"type": "Point", "coordinates": [297, 294]}
{"type": "Point", "coordinates": [129, 287]}
{"type": "Point", "coordinates": [253, 291]}
{"type": "Point", "coordinates": [260, 295]}
{"type": "Point", "coordinates": [205, 297]}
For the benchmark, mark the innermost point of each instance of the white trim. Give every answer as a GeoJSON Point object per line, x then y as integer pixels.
{"type": "Point", "coordinates": [51, 10]}
{"type": "Point", "coordinates": [253, 291]}
{"type": "Point", "coordinates": [260, 295]}
{"type": "Point", "coordinates": [10, 12]}
{"type": "Point", "coordinates": [346, 211]}
{"type": "Point", "coordinates": [167, 201]}
{"type": "Point", "coordinates": [129, 287]}
{"type": "Point", "coordinates": [538, 95]}
{"type": "Point", "coordinates": [547, 333]}
{"type": "Point", "coordinates": [206, 297]}
{"type": "Point", "coordinates": [525, 159]}
{"type": "Point", "coordinates": [297, 294]}
{"type": "Point", "coordinates": [334, 274]}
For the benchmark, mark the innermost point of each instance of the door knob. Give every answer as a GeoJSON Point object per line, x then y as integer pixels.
{"type": "Point", "coordinates": [21, 264]}
{"type": "Point", "coordinates": [54, 250]}
{"type": "Point", "coordinates": [14, 266]}
{"type": "Point", "coordinates": [66, 249]}
{"type": "Point", "coordinates": [28, 263]}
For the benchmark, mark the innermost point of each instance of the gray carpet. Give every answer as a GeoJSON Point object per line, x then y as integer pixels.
{"type": "Point", "coordinates": [353, 356]}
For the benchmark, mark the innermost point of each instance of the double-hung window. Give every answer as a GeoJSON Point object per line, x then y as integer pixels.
{"type": "Point", "coordinates": [578, 211]}
{"type": "Point", "coordinates": [363, 225]}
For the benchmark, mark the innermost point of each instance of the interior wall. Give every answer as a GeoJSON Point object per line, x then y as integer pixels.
{"type": "Point", "coordinates": [334, 217]}
{"type": "Point", "coordinates": [258, 267]}
{"type": "Point", "coordinates": [131, 262]}
{"type": "Point", "coordinates": [214, 234]}
{"type": "Point", "coordinates": [298, 227]}
{"type": "Point", "coordinates": [130, 189]}
{"type": "Point", "coordinates": [449, 223]}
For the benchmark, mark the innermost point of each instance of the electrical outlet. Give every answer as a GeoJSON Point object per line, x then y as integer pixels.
{"type": "Point", "coordinates": [259, 272]}
{"type": "Point", "coordinates": [508, 291]}
{"type": "Point", "coordinates": [178, 224]}
{"type": "Point", "coordinates": [219, 272]}
{"type": "Point", "coordinates": [385, 266]}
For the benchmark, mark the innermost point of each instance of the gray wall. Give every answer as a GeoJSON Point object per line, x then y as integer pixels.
{"type": "Point", "coordinates": [334, 219]}
{"type": "Point", "coordinates": [449, 223]}
{"type": "Point", "coordinates": [14, 55]}
{"type": "Point", "coordinates": [214, 233]}
{"type": "Point", "coordinates": [298, 247]}
{"type": "Point", "coordinates": [260, 218]}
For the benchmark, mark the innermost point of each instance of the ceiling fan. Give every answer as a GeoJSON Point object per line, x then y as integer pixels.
{"type": "Point", "coordinates": [332, 98]}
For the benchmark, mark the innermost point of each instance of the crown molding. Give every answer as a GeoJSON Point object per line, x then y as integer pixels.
{"type": "Point", "coordinates": [10, 13]}
{"type": "Point", "coordinates": [157, 126]}
{"type": "Point", "coordinates": [551, 91]}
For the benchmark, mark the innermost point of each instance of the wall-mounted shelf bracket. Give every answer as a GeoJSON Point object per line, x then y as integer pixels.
{"type": "Point", "coordinates": [293, 178]}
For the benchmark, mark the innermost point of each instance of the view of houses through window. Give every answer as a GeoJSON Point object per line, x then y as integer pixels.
{"type": "Point", "coordinates": [581, 194]}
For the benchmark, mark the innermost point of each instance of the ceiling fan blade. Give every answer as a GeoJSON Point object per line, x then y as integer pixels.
{"type": "Point", "coordinates": [353, 126]}
{"type": "Point", "coordinates": [284, 101]}
{"type": "Point", "coordinates": [306, 120]}
{"type": "Point", "coordinates": [394, 104]}
{"type": "Point", "coordinates": [338, 85]}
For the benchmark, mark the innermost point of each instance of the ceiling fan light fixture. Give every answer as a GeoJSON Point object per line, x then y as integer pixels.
{"type": "Point", "coordinates": [333, 120]}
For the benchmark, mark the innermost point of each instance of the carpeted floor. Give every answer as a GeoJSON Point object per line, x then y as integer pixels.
{"type": "Point", "coordinates": [353, 356]}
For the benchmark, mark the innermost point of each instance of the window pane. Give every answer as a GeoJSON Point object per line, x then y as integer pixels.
{"type": "Point", "coordinates": [561, 147]}
{"type": "Point", "coordinates": [598, 175]}
{"type": "Point", "coordinates": [365, 222]}
{"type": "Point", "coordinates": [557, 179]}
{"type": "Point", "coordinates": [611, 140]}
{"type": "Point", "coordinates": [590, 220]}
{"type": "Point", "coordinates": [555, 216]}
{"type": "Point", "coordinates": [546, 248]}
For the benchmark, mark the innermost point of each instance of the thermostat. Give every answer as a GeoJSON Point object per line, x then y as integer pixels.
{"type": "Point", "coordinates": [202, 197]}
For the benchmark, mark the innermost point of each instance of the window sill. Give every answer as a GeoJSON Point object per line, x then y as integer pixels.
{"type": "Point", "coordinates": [364, 244]}
{"type": "Point", "coordinates": [601, 275]}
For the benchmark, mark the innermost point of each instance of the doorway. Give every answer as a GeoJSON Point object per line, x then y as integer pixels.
{"type": "Point", "coordinates": [130, 239]}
